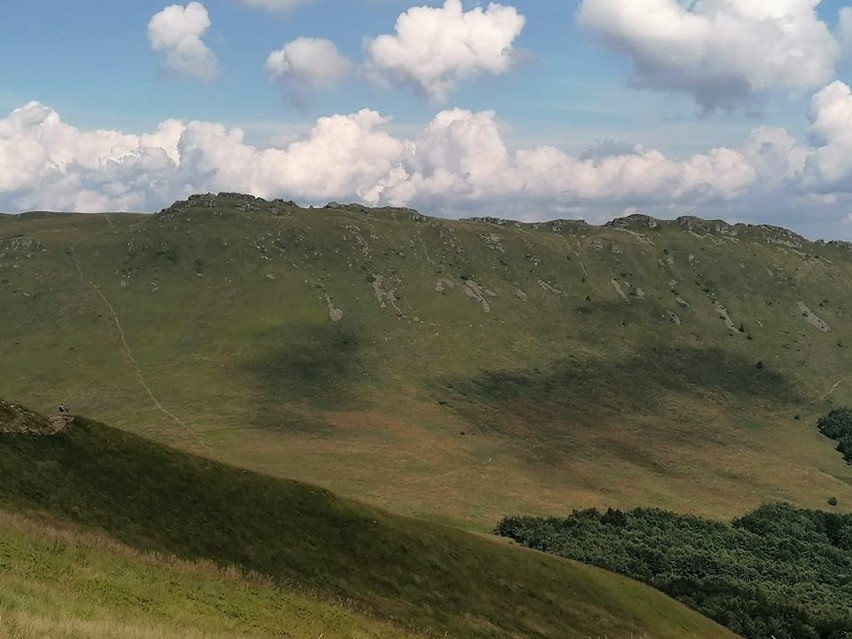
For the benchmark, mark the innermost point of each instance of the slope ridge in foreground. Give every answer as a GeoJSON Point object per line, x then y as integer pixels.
{"type": "Point", "coordinates": [414, 573]}
{"type": "Point", "coordinates": [60, 582]}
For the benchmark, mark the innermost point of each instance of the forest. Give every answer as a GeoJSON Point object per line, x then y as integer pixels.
{"type": "Point", "coordinates": [779, 571]}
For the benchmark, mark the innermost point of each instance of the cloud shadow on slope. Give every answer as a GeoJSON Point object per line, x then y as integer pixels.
{"type": "Point", "coordinates": [317, 366]}
{"type": "Point", "coordinates": [548, 407]}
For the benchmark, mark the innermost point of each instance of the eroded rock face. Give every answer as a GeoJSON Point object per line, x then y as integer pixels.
{"type": "Point", "coordinates": [443, 285]}
{"type": "Point", "coordinates": [550, 288]}
{"type": "Point", "coordinates": [710, 227]}
{"type": "Point", "coordinates": [618, 289]}
{"type": "Point", "coordinates": [15, 419]}
{"type": "Point", "coordinates": [782, 237]}
{"type": "Point", "coordinates": [725, 316]}
{"type": "Point", "coordinates": [493, 241]}
{"type": "Point", "coordinates": [478, 293]}
{"type": "Point", "coordinates": [847, 246]}
{"type": "Point", "coordinates": [812, 318]}
{"type": "Point", "coordinates": [334, 314]}
{"type": "Point", "coordinates": [217, 202]}
{"type": "Point", "coordinates": [635, 221]}
{"type": "Point", "coordinates": [494, 221]}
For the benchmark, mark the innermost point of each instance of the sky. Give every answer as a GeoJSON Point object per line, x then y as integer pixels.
{"type": "Point", "coordinates": [533, 109]}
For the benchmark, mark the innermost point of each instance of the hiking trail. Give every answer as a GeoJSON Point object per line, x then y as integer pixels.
{"type": "Point", "coordinates": [134, 363]}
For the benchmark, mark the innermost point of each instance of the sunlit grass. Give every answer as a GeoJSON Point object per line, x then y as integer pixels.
{"type": "Point", "coordinates": [59, 582]}
{"type": "Point", "coordinates": [426, 577]}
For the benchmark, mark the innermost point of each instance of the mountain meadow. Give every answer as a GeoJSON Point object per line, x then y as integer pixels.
{"type": "Point", "coordinates": [128, 536]}
{"type": "Point", "coordinates": [308, 422]}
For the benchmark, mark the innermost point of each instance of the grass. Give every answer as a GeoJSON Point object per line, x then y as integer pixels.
{"type": "Point", "coordinates": [427, 577]}
{"type": "Point", "coordinates": [62, 582]}
{"type": "Point", "coordinates": [578, 397]}
{"type": "Point", "coordinates": [600, 391]}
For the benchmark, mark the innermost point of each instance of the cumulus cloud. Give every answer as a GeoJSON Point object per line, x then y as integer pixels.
{"type": "Point", "coordinates": [177, 32]}
{"type": "Point", "coordinates": [46, 163]}
{"type": "Point", "coordinates": [338, 157]}
{"type": "Point", "coordinates": [434, 49]}
{"type": "Point", "coordinates": [830, 166]}
{"type": "Point", "coordinates": [722, 52]}
{"type": "Point", "coordinates": [275, 6]}
{"type": "Point", "coordinates": [305, 65]}
{"type": "Point", "coordinates": [461, 156]}
{"type": "Point", "coordinates": [458, 163]}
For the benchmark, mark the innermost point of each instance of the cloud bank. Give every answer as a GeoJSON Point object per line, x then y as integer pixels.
{"type": "Point", "coordinates": [177, 32]}
{"type": "Point", "coordinates": [458, 161]}
{"type": "Point", "coordinates": [722, 52]}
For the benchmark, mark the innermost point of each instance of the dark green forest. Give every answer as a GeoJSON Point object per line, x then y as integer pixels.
{"type": "Point", "coordinates": [779, 571]}
{"type": "Point", "coordinates": [837, 425]}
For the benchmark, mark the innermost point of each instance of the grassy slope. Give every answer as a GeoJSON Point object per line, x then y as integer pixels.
{"type": "Point", "coordinates": [426, 576]}
{"type": "Point", "coordinates": [58, 582]}
{"type": "Point", "coordinates": [419, 400]}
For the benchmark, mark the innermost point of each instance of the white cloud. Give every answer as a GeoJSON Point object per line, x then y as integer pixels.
{"type": "Point", "coordinates": [461, 158]}
{"type": "Point", "coordinates": [45, 163]}
{"type": "Point", "coordinates": [340, 155]}
{"type": "Point", "coordinates": [275, 6]}
{"type": "Point", "coordinates": [722, 52]}
{"type": "Point", "coordinates": [459, 163]}
{"type": "Point", "coordinates": [435, 48]}
{"type": "Point", "coordinates": [176, 31]}
{"type": "Point", "coordinates": [775, 156]}
{"type": "Point", "coordinates": [830, 166]}
{"type": "Point", "coordinates": [305, 65]}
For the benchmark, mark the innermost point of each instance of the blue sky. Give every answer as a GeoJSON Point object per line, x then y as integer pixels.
{"type": "Point", "coordinates": [677, 79]}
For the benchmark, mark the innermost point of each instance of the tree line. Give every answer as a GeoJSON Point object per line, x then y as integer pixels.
{"type": "Point", "coordinates": [779, 571]}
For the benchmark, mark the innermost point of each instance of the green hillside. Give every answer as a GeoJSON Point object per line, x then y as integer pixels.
{"type": "Point", "coordinates": [451, 370]}
{"type": "Point", "coordinates": [58, 582]}
{"type": "Point", "coordinates": [151, 498]}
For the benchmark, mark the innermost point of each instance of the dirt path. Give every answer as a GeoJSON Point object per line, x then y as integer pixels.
{"type": "Point", "coordinates": [135, 364]}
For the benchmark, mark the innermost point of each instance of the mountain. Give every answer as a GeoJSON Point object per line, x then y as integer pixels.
{"type": "Point", "coordinates": [82, 508]}
{"type": "Point", "coordinates": [456, 371]}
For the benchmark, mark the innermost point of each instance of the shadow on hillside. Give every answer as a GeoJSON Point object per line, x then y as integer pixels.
{"type": "Point", "coordinates": [545, 405]}
{"type": "Point", "coordinates": [315, 365]}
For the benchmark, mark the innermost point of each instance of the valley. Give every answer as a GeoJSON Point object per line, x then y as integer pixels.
{"type": "Point", "coordinates": [457, 371]}
{"type": "Point", "coordinates": [336, 406]}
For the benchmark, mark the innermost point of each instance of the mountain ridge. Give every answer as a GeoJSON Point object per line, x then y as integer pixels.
{"type": "Point", "coordinates": [246, 202]}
